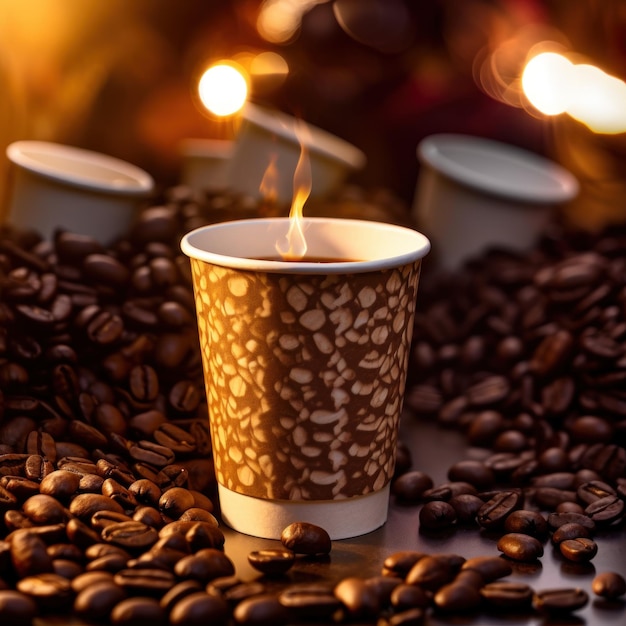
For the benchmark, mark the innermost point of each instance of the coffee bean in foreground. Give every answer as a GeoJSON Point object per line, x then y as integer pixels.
{"type": "Point", "coordinates": [306, 538]}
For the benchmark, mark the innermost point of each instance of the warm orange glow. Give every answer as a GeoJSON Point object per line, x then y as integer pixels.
{"type": "Point", "coordinates": [302, 180]}
{"type": "Point", "coordinates": [279, 21]}
{"type": "Point", "coordinates": [269, 63]}
{"type": "Point", "coordinates": [223, 89]}
{"type": "Point", "coordinates": [555, 85]}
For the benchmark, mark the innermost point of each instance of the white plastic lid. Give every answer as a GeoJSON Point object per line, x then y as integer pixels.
{"type": "Point", "coordinates": [498, 168]}
{"type": "Point", "coordinates": [82, 168]}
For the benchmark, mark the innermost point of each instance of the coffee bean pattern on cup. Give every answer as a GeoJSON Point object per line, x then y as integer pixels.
{"type": "Point", "coordinates": [106, 477]}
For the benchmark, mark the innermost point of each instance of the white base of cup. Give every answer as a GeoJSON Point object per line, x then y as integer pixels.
{"type": "Point", "coordinates": [341, 519]}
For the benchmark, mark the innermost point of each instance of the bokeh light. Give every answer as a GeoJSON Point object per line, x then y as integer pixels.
{"type": "Point", "coordinates": [554, 85]}
{"type": "Point", "coordinates": [223, 89]}
{"type": "Point", "coordinates": [547, 82]}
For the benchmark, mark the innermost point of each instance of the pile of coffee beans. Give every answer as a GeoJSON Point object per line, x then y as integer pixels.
{"type": "Point", "coordinates": [107, 489]}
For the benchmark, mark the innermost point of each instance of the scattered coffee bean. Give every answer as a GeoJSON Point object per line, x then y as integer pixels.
{"type": "Point", "coordinates": [519, 547]}
{"type": "Point", "coordinates": [505, 596]}
{"type": "Point", "coordinates": [271, 561]}
{"type": "Point", "coordinates": [610, 585]}
{"type": "Point", "coordinates": [437, 515]}
{"type": "Point", "coordinates": [306, 538]}
{"type": "Point", "coordinates": [580, 550]}
{"type": "Point", "coordinates": [560, 601]}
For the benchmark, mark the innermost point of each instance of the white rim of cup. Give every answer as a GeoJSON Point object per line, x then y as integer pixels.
{"type": "Point", "coordinates": [465, 159]}
{"type": "Point", "coordinates": [410, 245]}
{"type": "Point", "coordinates": [75, 166]}
{"type": "Point", "coordinates": [320, 141]}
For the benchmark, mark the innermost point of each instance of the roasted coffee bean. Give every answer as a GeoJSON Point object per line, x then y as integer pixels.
{"type": "Point", "coordinates": [145, 582]}
{"type": "Point", "coordinates": [526, 522]}
{"type": "Point", "coordinates": [66, 568]}
{"type": "Point", "coordinates": [204, 565]}
{"type": "Point", "coordinates": [65, 551]}
{"type": "Point", "coordinates": [447, 491]}
{"type": "Point", "coordinates": [519, 547]}
{"type": "Point", "coordinates": [132, 536]}
{"type": "Point", "coordinates": [306, 538]}
{"type": "Point", "coordinates": [579, 550]}
{"type": "Point", "coordinates": [175, 501]}
{"type": "Point", "coordinates": [84, 505]}
{"type": "Point", "coordinates": [105, 269]}
{"type": "Point", "coordinates": [594, 490]}
{"type": "Point", "coordinates": [434, 570]}
{"type": "Point", "coordinates": [20, 486]}
{"type": "Point", "coordinates": [506, 596]}
{"type": "Point", "coordinates": [457, 598]}
{"type": "Point", "coordinates": [406, 596]}
{"type": "Point", "coordinates": [494, 512]}
{"type": "Point", "coordinates": [80, 534]}
{"type": "Point", "coordinates": [101, 519]}
{"type": "Point", "coordinates": [550, 497]}
{"type": "Point", "coordinates": [609, 585]}
{"type": "Point", "coordinates": [145, 491]}
{"type": "Point", "coordinates": [476, 473]}
{"type": "Point", "coordinates": [358, 599]}
{"type": "Point", "coordinates": [606, 511]}
{"type": "Point", "coordinates": [43, 509]}
{"type": "Point", "coordinates": [271, 561]}
{"type": "Point", "coordinates": [139, 611]}
{"type": "Point", "coordinates": [87, 579]}
{"type": "Point", "coordinates": [261, 609]}
{"type": "Point", "coordinates": [178, 592]}
{"type": "Point", "coordinates": [466, 507]}
{"type": "Point", "coordinates": [199, 608]}
{"type": "Point", "coordinates": [400, 563]}
{"type": "Point", "coordinates": [555, 520]}
{"type": "Point", "coordinates": [17, 608]}
{"type": "Point", "coordinates": [175, 438]}
{"type": "Point", "coordinates": [50, 591]}
{"type": "Point", "coordinates": [118, 493]}
{"type": "Point", "coordinates": [238, 592]}
{"type": "Point", "coordinates": [310, 601]}
{"type": "Point", "coordinates": [490, 568]}
{"type": "Point", "coordinates": [437, 515]}
{"type": "Point", "coordinates": [410, 486]}
{"type": "Point", "coordinates": [148, 515]}
{"type": "Point", "coordinates": [60, 484]}
{"type": "Point", "coordinates": [556, 480]}
{"type": "Point", "coordinates": [108, 563]}
{"type": "Point", "coordinates": [184, 397]}
{"type": "Point", "coordinates": [29, 555]}
{"type": "Point", "coordinates": [195, 514]}
{"type": "Point", "coordinates": [96, 601]}
{"type": "Point", "coordinates": [560, 601]}
{"type": "Point", "coordinates": [37, 467]}
{"type": "Point", "coordinates": [569, 531]}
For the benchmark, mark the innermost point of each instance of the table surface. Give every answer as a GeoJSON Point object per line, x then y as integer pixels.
{"type": "Point", "coordinates": [433, 450]}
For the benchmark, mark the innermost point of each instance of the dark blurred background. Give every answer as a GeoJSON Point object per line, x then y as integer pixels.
{"type": "Point", "coordinates": [120, 77]}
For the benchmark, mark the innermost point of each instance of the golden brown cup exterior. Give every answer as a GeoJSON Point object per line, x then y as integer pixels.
{"type": "Point", "coordinates": [305, 377]}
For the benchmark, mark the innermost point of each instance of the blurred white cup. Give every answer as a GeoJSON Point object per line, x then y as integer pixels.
{"type": "Point", "coordinates": [205, 163]}
{"type": "Point", "coordinates": [473, 194]}
{"type": "Point", "coordinates": [271, 139]}
{"type": "Point", "coordinates": [53, 186]}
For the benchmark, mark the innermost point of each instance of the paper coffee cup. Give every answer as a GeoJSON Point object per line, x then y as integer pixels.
{"type": "Point", "coordinates": [54, 186]}
{"type": "Point", "coordinates": [473, 194]}
{"type": "Point", "coordinates": [305, 368]}
{"type": "Point", "coordinates": [270, 139]}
